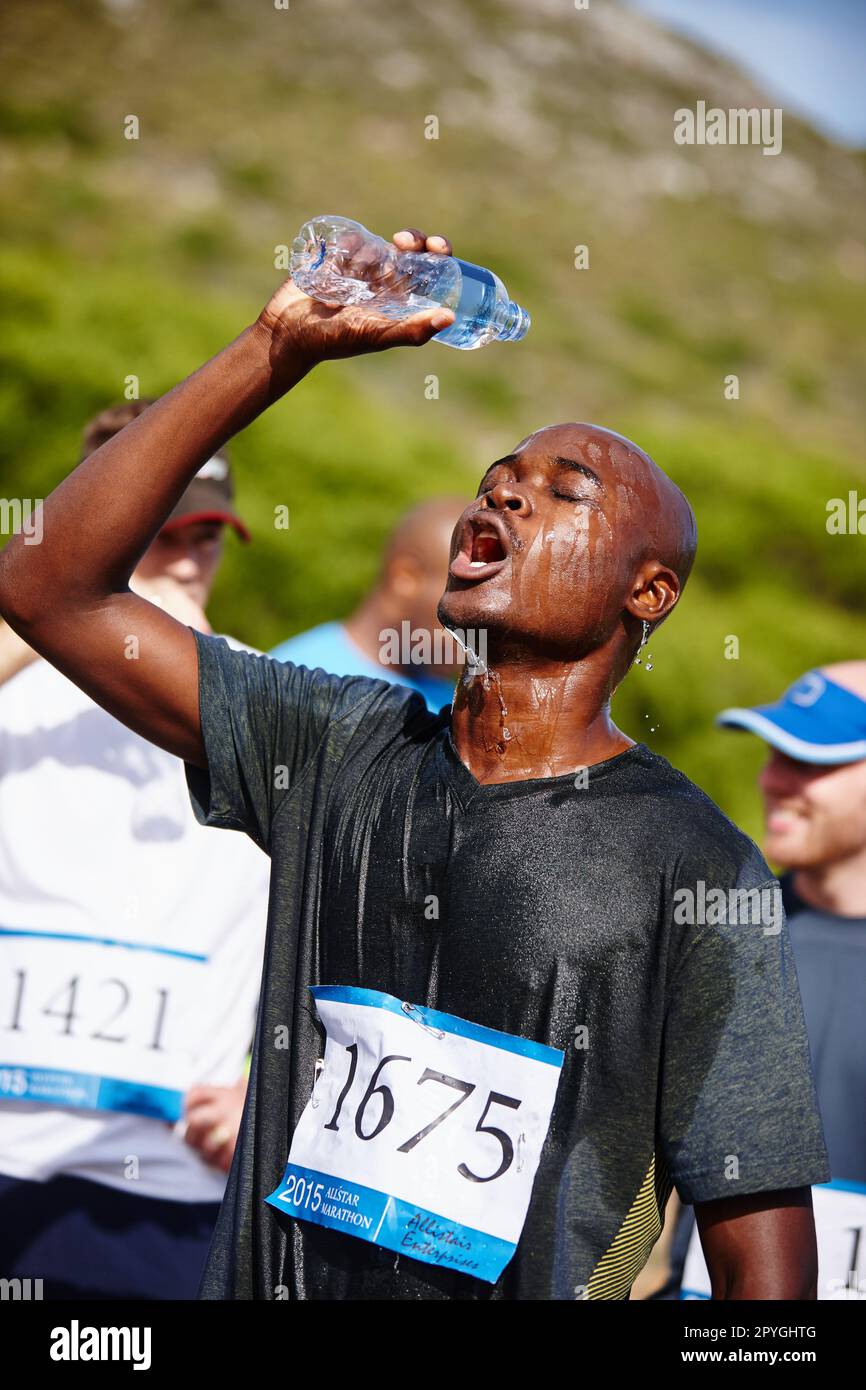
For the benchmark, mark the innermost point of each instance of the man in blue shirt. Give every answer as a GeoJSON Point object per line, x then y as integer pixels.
{"type": "Point", "coordinates": [398, 615]}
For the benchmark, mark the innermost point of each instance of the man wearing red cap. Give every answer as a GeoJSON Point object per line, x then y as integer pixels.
{"type": "Point", "coordinates": [132, 950]}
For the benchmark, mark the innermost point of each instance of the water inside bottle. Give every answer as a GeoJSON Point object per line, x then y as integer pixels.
{"type": "Point", "coordinates": [338, 262]}
{"type": "Point", "coordinates": [474, 309]}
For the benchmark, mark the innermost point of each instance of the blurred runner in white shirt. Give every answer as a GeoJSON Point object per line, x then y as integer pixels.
{"type": "Point", "coordinates": [130, 958]}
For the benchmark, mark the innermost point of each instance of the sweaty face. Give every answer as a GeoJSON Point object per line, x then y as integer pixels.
{"type": "Point", "coordinates": [814, 814]}
{"type": "Point", "coordinates": [547, 553]}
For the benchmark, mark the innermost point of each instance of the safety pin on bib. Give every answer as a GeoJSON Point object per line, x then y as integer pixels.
{"type": "Point", "coordinates": [411, 1009]}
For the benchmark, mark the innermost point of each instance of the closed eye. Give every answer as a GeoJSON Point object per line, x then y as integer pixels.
{"type": "Point", "coordinates": [570, 497]}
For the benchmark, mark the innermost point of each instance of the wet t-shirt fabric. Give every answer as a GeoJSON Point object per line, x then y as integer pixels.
{"type": "Point", "coordinates": [559, 917]}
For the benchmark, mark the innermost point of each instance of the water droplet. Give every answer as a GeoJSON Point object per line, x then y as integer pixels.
{"type": "Point", "coordinates": [649, 666]}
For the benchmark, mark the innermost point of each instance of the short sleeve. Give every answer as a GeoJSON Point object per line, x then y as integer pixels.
{"type": "Point", "coordinates": [262, 721]}
{"type": "Point", "coordinates": [738, 1112]}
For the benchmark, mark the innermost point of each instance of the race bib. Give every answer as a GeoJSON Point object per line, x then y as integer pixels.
{"type": "Point", "coordinates": [97, 1024]}
{"type": "Point", "coordinates": [423, 1133]}
{"type": "Point", "coordinates": [840, 1227]}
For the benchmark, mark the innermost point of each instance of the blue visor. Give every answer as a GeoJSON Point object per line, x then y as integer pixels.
{"type": "Point", "coordinates": [816, 721]}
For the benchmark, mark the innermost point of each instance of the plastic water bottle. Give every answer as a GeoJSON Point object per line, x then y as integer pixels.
{"type": "Point", "coordinates": [337, 261]}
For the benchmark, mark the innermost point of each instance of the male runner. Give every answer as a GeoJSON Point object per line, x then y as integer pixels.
{"type": "Point", "coordinates": [514, 866]}
{"type": "Point", "coordinates": [813, 786]}
{"type": "Point", "coordinates": [130, 957]}
{"type": "Point", "coordinates": [814, 791]}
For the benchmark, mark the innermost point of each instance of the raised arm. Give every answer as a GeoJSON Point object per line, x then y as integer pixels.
{"type": "Point", "coordinates": [69, 597]}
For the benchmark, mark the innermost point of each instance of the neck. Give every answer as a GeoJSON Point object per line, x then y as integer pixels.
{"type": "Point", "coordinates": [517, 720]}
{"type": "Point", "coordinates": [839, 888]}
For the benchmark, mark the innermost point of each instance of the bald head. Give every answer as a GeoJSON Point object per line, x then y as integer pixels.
{"type": "Point", "coordinates": [650, 502]}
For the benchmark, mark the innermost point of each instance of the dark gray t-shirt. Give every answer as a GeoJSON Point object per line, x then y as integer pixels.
{"type": "Point", "coordinates": [562, 916]}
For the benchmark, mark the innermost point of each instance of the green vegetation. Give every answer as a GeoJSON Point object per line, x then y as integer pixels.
{"type": "Point", "coordinates": [140, 258]}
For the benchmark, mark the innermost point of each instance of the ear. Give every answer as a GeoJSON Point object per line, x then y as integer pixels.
{"type": "Point", "coordinates": [655, 591]}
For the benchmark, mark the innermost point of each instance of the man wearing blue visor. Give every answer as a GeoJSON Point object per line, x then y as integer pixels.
{"type": "Point", "coordinates": [820, 720]}
{"type": "Point", "coordinates": [814, 790]}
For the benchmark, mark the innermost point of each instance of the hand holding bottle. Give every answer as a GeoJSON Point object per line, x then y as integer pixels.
{"type": "Point", "coordinates": [305, 330]}
{"type": "Point", "coordinates": [337, 261]}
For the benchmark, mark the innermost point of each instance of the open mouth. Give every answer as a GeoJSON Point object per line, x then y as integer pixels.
{"type": "Point", "coordinates": [485, 547]}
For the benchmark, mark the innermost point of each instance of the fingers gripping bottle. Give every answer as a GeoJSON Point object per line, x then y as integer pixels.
{"type": "Point", "coordinates": [337, 261]}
